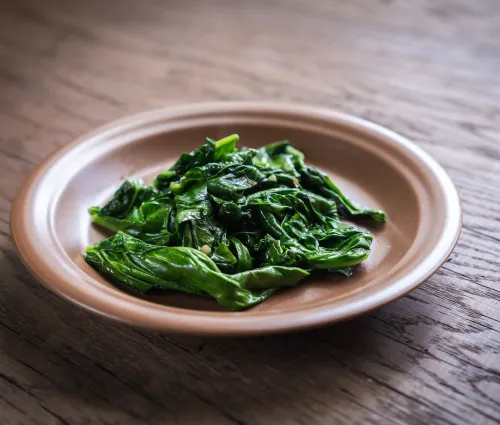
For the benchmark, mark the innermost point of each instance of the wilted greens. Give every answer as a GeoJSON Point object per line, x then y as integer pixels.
{"type": "Point", "coordinates": [232, 224]}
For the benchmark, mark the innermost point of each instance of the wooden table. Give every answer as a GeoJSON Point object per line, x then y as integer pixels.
{"type": "Point", "coordinates": [428, 69]}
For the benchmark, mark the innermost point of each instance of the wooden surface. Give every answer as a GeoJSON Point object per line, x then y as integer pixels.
{"type": "Point", "coordinates": [428, 69]}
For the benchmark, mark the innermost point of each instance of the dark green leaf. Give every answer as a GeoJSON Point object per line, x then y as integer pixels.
{"type": "Point", "coordinates": [232, 224]}
{"type": "Point", "coordinates": [317, 181]}
{"type": "Point", "coordinates": [143, 267]}
{"type": "Point", "coordinates": [224, 258]}
{"type": "Point", "coordinates": [129, 195]}
{"type": "Point", "coordinates": [245, 261]}
{"type": "Point", "coordinates": [148, 222]}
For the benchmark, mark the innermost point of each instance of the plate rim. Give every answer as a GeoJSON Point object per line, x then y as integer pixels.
{"type": "Point", "coordinates": [219, 326]}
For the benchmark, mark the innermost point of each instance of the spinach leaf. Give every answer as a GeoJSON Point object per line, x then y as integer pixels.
{"type": "Point", "coordinates": [225, 146]}
{"type": "Point", "coordinates": [224, 258]}
{"type": "Point", "coordinates": [234, 224]}
{"type": "Point", "coordinates": [209, 152]}
{"type": "Point", "coordinates": [348, 253]}
{"type": "Point", "coordinates": [129, 195]}
{"type": "Point", "coordinates": [319, 182]}
{"type": "Point", "coordinates": [142, 267]}
{"type": "Point", "coordinates": [150, 222]}
{"type": "Point", "coordinates": [244, 260]}
{"type": "Point", "coordinates": [233, 180]}
{"type": "Point", "coordinates": [139, 211]}
{"type": "Point", "coordinates": [285, 157]}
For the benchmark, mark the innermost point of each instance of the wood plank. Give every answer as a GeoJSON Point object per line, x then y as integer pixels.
{"type": "Point", "coordinates": [429, 70]}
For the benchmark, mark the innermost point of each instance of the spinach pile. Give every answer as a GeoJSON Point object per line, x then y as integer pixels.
{"type": "Point", "coordinates": [233, 224]}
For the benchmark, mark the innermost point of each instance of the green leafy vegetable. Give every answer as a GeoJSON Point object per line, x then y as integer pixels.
{"type": "Point", "coordinates": [143, 267]}
{"type": "Point", "coordinates": [130, 194]}
{"type": "Point", "coordinates": [232, 224]}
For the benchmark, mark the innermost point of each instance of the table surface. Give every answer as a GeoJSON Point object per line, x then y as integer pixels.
{"type": "Point", "coordinates": [427, 69]}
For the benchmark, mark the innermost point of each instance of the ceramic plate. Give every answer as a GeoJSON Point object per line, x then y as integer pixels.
{"type": "Point", "coordinates": [373, 165]}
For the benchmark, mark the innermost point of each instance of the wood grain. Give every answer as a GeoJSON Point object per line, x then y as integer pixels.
{"type": "Point", "coordinates": [428, 69]}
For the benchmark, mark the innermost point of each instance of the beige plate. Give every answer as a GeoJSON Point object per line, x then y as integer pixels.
{"type": "Point", "coordinates": [373, 165]}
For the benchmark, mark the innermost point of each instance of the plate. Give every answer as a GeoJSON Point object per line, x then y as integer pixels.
{"type": "Point", "coordinates": [373, 165]}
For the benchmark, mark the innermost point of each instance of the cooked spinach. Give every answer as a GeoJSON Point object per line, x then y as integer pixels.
{"type": "Point", "coordinates": [233, 224]}
{"type": "Point", "coordinates": [143, 266]}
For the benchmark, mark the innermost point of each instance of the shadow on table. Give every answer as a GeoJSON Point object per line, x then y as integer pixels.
{"type": "Point", "coordinates": [79, 365]}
